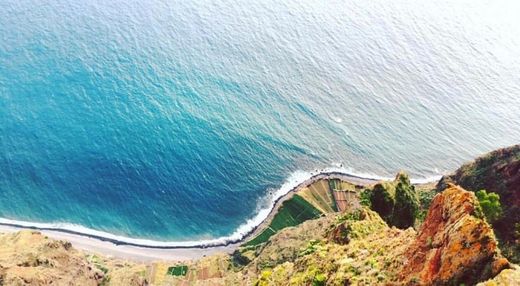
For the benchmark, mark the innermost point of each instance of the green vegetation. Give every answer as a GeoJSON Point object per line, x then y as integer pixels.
{"type": "Point", "coordinates": [406, 205]}
{"type": "Point", "coordinates": [319, 280]}
{"type": "Point", "coordinates": [238, 259]}
{"type": "Point", "coordinates": [334, 184]}
{"type": "Point", "coordinates": [396, 202]}
{"type": "Point", "coordinates": [512, 250]}
{"type": "Point", "coordinates": [358, 224]}
{"type": "Point", "coordinates": [490, 204]}
{"type": "Point", "coordinates": [364, 198]}
{"type": "Point", "coordinates": [180, 270]}
{"type": "Point", "coordinates": [382, 200]}
{"type": "Point", "coordinates": [311, 247]}
{"type": "Point", "coordinates": [264, 279]}
{"type": "Point", "coordinates": [425, 199]}
{"type": "Point", "coordinates": [292, 212]}
{"type": "Point", "coordinates": [354, 215]}
{"type": "Point", "coordinates": [98, 262]}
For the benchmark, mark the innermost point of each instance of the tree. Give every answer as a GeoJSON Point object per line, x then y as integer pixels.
{"type": "Point", "coordinates": [490, 204]}
{"type": "Point", "coordinates": [382, 200]}
{"type": "Point", "coordinates": [406, 204]}
{"type": "Point", "coordinates": [396, 202]}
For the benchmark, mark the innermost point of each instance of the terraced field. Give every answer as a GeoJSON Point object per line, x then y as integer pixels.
{"type": "Point", "coordinates": [321, 197]}
{"type": "Point", "coordinates": [345, 194]}
{"type": "Point", "coordinates": [206, 269]}
{"type": "Point", "coordinates": [292, 212]}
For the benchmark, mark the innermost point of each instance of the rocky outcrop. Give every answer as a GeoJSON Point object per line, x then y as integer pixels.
{"type": "Point", "coordinates": [29, 258]}
{"type": "Point", "coordinates": [396, 202]}
{"type": "Point", "coordinates": [497, 172]}
{"type": "Point", "coordinates": [455, 245]}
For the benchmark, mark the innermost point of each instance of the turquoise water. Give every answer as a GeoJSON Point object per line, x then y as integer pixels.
{"type": "Point", "coordinates": [176, 120]}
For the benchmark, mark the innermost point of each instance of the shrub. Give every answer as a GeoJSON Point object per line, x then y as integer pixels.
{"type": "Point", "coordinates": [319, 280]}
{"type": "Point", "coordinates": [238, 259]}
{"type": "Point", "coordinates": [311, 247]}
{"type": "Point", "coordinates": [490, 204]}
{"type": "Point", "coordinates": [425, 200]}
{"type": "Point", "coordinates": [382, 200]}
{"type": "Point", "coordinates": [364, 198]}
{"type": "Point", "coordinates": [396, 202]}
{"type": "Point", "coordinates": [406, 205]}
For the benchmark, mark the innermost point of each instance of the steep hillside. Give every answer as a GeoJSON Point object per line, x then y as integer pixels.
{"type": "Point", "coordinates": [453, 246]}
{"type": "Point", "coordinates": [30, 258]}
{"type": "Point", "coordinates": [497, 172]}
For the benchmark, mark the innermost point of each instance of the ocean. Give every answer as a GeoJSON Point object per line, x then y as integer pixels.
{"type": "Point", "coordinates": [181, 121]}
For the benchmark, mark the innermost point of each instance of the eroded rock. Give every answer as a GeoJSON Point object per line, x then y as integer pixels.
{"type": "Point", "coordinates": [455, 245]}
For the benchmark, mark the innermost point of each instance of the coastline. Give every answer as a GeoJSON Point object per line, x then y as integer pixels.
{"type": "Point", "coordinates": [145, 250]}
{"type": "Point", "coordinates": [132, 253]}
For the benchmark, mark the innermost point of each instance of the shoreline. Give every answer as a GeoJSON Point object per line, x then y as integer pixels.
{"type": "Point", "coordinates": [126, 252]}
{"type": "Point", "coordinates": [142, 249]}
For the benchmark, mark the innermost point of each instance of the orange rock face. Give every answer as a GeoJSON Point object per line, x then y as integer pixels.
{"type": "Point", "coordinates": [497, 172]}
{"type": "Point", "coordinates": [455, 245]}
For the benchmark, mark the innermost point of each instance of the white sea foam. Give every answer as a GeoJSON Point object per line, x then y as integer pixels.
{"type": "Point", "coordinates": [298, 178]}
{"type": "Point", "coordinates": [337, 119]}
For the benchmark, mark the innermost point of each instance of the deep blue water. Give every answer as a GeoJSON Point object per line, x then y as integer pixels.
{"type": "Point", "coordinates": [172, 120]}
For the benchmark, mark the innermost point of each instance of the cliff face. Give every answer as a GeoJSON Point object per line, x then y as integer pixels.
{"type": "Point", "coordinates": [29, 258]}
{"type": "Point", "coordinates": [507, 277]}
{"type": "Point", "coordinates": [498, 172]}
{"type": "Point", "coordinates": [455, 245]}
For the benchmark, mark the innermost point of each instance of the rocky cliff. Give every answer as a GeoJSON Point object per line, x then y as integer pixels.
{"type": "Point", "coordinates": [454, 246]}
{"type": "Point", "coordinates": [448, 242]}
{"type": "Point", "coordinates": [497, 172]}
{"type": "Point", "coordinates": [30, 258]}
